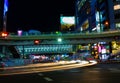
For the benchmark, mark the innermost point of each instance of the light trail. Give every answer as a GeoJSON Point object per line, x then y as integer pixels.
{"type": "Point", "coordinates": [38, 65]}
{"type": "Point", "coordinates": [47, 69]}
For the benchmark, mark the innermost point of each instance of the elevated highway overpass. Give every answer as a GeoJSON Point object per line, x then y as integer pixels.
{"type": "Point", "coordinates": [68, 38]}
{"type": "Point", "coordinates": [24, 45]}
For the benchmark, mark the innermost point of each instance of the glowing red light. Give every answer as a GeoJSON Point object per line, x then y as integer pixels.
{"type": "Point", "coordinates": [36, 41]}
{"type": "Point", "coordinates": [4, 34]}
{"type": "Point", "coordinates": [106, 23]}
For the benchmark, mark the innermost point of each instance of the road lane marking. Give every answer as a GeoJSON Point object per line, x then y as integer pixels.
{"type": "Point", "coordinates": [97, 68]}
{"type": "Point", "coordinates": [74, 71]}
{"type": "Point", "coordinates": [48, 79]}
{"type": "Point", "coordinates": [114, 70]}
{"type": "Point", "coordinates": [93, 71]}
{"type": "Point", "coordinates": [59, 70]}
{"type": "Point", "coordinates": [40, 74]}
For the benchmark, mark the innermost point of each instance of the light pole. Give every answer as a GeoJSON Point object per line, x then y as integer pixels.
{"type": "Point", "coordinates": [59, 40]}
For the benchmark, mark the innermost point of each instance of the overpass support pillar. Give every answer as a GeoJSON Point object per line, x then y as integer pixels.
{"type": "Point", "coordinates": [4, 50]}
{"type": "Point", "coordinates": [23, 52]}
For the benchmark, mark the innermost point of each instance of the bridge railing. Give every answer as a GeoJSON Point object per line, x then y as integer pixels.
{"type": "Point", "coordinates": [65, 35]}
{"type": "Point", "coordinates": [68, 33]}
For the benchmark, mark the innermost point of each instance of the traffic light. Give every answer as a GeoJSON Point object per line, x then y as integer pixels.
{"type": "Point", "coordinates": [36, 42]}
{"type": "Point", "coordinates": [106, 23]}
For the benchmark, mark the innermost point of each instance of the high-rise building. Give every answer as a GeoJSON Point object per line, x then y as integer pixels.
{"type": "Point", "coordinates": [96, 15]}
{"type": "Point", "coordinates": [116, 7]}
{"type": "Point", "coordinates": [1, 14]}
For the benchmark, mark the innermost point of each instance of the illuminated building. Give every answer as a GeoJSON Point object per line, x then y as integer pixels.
{"type": "Point", "coordinates": [1, 15]}
{"type": "Point", "coordinates": [101, 50]}
{"type": "Point", "coordinates": [116, 6]}
{"type": "Point", "coordinates": [94, 15]}
{"type": "Point", "coordinates": [98, 16]}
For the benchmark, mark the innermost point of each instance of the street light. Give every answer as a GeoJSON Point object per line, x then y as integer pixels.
{"type": "Point", "coordinates": [4, 34]}
{"type": "Point", "coordinates": [106, 23]}
{"type": "Point", "coordinates": [59, 40]}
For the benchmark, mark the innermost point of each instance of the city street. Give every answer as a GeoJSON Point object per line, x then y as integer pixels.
{"type": "Point", "coordinates": [60, 41]}
{"type": "Point", "coordinates": [100, 73]}
{"type": "Point", "coordinates": [43, 67]}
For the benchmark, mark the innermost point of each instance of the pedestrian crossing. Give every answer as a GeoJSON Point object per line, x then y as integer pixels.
{"type": "Point", "coordinates": [113, 70]}
{"type": "Point", "coordinates": [44, 77]}
{"type": "Point", "coordinates": [94, 70]}
{"type": "Point", "coordinates": [48, 79]}
{"type": "Point", "coordinates": [91, 70]}
{"type": "Point", "coordinates": [116, 70]}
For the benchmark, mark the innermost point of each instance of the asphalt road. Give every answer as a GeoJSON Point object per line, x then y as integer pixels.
{"type": "Point", "coordinates": [100, 73]}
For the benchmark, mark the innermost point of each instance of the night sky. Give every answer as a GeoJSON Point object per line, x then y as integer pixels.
{"type": "Point", "coordinates": [42, 15]}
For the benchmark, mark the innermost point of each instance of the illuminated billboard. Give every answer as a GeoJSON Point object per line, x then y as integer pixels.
{"type": "Point", "coordinates": [67, 23]}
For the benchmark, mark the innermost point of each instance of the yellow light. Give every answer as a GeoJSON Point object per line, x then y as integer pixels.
{"type": "Point", "coordinates": [116, 7]}
{"type": "Point", "coordinates": [106, 23]}
{"type": "Point", "coordinates": [4, 34]}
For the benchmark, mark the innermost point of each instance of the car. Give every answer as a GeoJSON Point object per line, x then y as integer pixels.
{"type": "Point", "coordinates": [36, 60]}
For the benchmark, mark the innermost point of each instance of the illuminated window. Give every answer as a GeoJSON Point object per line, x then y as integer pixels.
{"type": "Point", "coordinates": [118, 25]}
{"type": "Point", "coordinates": [116, 7]}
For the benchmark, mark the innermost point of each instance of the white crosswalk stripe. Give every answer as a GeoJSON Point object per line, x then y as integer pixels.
{"type": "Point", "coordinates": [114, 70]}
{"type": "Point", "coordinates": [48, 79]}
{"type": "Point", "coordinates": [40, 74]}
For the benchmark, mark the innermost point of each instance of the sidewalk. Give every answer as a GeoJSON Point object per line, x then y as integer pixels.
{"type": "Point", "coordinates": [16, 62]}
